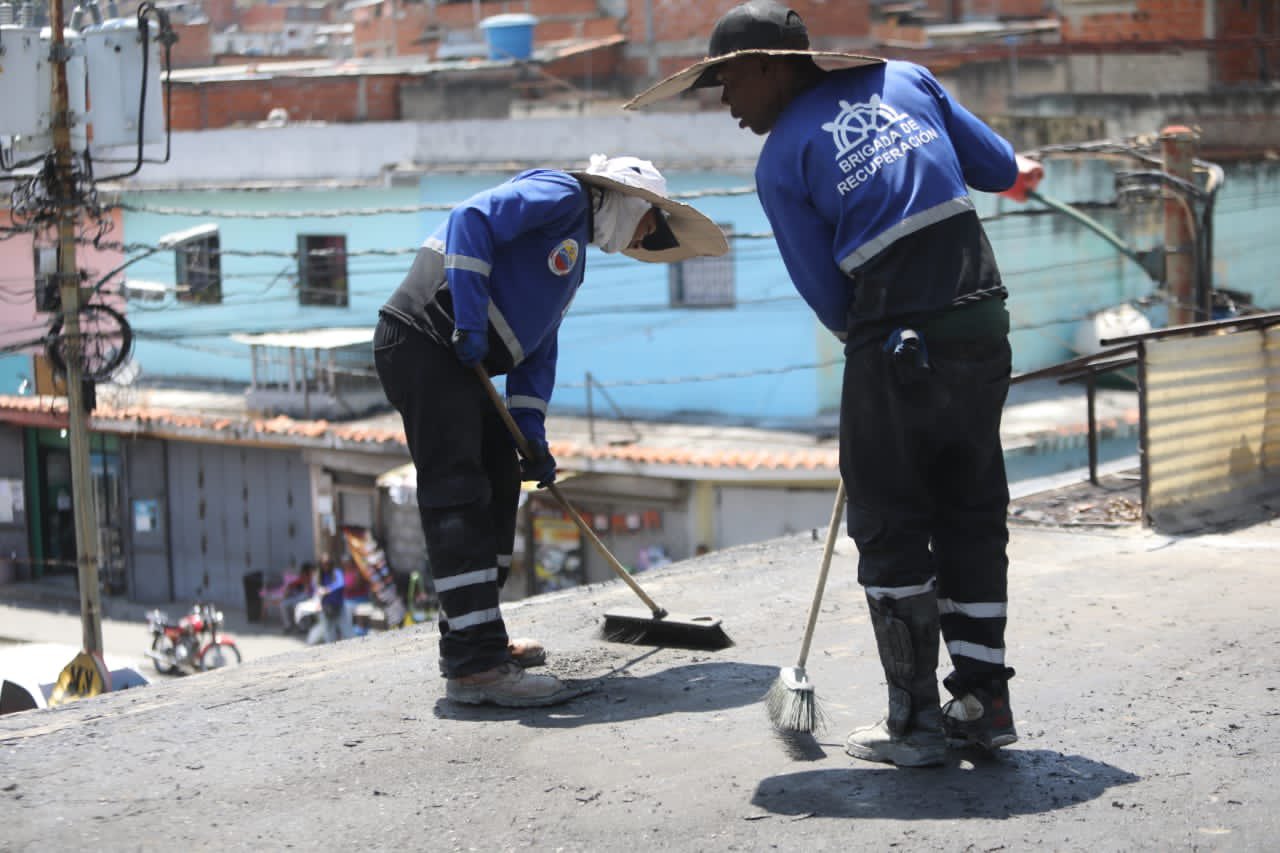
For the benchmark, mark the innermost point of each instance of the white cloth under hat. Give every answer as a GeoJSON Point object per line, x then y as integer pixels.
{"type": "Point", "coordinates": [635, 185]}
{"type": "Point", "coordinates": [616, 216]}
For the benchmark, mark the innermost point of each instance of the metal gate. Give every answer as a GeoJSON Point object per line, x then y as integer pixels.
{"type": "Point", "coordinates": [235, 510]}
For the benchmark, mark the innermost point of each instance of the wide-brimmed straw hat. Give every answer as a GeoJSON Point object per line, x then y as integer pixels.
{"type": "Point", "coordinates": [758, 27]}
{"type": "Point", "coordinates": [683, 231]}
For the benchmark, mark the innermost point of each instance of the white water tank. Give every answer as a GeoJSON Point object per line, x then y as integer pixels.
{"type": "Point", "coordinates": [113, 57]}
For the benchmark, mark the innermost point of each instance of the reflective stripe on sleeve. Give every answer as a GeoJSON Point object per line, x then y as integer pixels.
{"type": "Point", "coordinates": [464, 262]}
{"type": "Point", "coordinates": [524, 401]}
{"type": "Point", "coordinates": [505, 333]}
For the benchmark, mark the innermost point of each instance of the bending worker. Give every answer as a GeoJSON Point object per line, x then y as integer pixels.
{"type": "Point", "coordinates": [864, 178]}
{"type": "Point", "coordinates": [490, 287]}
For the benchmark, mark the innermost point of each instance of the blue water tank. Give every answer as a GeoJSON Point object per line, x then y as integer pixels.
{"type": "Point", "coordinates": [509, 36]}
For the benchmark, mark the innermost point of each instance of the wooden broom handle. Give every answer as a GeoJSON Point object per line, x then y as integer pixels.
{"type": "Point", "coordinates": [522, 444]}
{"type": "Point", "coordinates": [833, 531]}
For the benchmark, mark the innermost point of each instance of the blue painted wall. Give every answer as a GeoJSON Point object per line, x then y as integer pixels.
{"type": "Point", "coordinates": [14, 370]}
{"type": "Point", "coordinates": [652, 359]}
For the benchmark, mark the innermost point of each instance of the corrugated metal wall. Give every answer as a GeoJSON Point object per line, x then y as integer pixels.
{"type": "Point", "coordinates": [235, 510]}
{"type": "Point", "coordinates": [1212, 427]}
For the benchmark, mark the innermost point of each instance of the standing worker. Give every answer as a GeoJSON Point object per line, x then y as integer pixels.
{"type": "Point", "coordinates": [490, 287]}
{"type": "Point", "coordinates": [863, 178]}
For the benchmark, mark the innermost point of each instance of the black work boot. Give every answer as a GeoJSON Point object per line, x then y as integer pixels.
{"type": "Point", "coordinates": [907, 635]}
{"type": "Point", "coordinates": [980, 715]}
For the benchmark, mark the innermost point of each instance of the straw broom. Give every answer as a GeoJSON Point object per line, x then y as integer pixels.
{"type": "Point", "coordinates": [791, 701]}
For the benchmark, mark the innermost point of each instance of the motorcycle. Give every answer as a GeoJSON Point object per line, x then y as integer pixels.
{"type": "Point", "coordinates": [193, 643]}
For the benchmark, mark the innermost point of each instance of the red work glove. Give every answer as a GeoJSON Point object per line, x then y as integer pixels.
{"type": "Point", "coordinates": [1030, 173]}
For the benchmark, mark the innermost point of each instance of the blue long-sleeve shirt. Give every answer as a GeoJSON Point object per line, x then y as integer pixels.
{"type": "Point", "coordinates": [512, 257]}
{"type": "Point", "coordinates": [860, 161]}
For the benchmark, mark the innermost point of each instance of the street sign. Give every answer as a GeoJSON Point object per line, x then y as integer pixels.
{"type": "Point", "coordinates": [86, 675]}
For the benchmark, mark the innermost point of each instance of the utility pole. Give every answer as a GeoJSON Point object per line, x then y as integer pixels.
{"type": "Point", "coordinates": [1178, 149]}
{"type": "Point", "coordinates": [69, 288]}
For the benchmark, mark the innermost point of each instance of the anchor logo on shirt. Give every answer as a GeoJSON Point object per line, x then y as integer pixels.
{"type": "Point", "coordinates": [856, 123]}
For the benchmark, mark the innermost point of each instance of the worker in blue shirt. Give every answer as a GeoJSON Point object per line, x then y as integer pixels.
{"type": "Point", "coordinates": [490, 287]}
{"type": "Point", "coordinates": [865, 177]}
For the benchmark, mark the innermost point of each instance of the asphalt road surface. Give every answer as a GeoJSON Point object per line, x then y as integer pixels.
{"type": "Point", "coordinates": [1146, 701]}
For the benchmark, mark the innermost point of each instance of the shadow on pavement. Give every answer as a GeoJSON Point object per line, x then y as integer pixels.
{"type": "Point", "coordinates": [614, 698]}
{"type": "Point", "coordinates": [800, 746]}
{"type": "Point", "coordinates": [1013, 782]}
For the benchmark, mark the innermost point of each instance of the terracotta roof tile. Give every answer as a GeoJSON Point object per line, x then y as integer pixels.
{"type": "Point", "coordinates": [52, 412]}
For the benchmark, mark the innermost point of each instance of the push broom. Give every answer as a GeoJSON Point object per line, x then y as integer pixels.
{"type": "Point", "coordinates": [792, 702]}
{"type": "Point", "coordinates": [659, 627]}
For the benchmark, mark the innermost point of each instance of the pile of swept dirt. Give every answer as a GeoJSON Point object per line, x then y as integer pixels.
{"type": "Point", "coordinates": [1116, 501]}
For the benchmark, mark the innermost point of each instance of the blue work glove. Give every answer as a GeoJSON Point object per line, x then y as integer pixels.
{"type": "Point", "coordinates": [470, 347]}
{"type": "Point", "coordinates": [540, 465]}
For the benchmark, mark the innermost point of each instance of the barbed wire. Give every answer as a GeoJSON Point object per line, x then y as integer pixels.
{"type": "Point", "coordinates": [335, 213]}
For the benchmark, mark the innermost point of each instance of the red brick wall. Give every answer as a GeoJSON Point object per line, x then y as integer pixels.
{"type": "Point", "coordinates": [1019, 8]}
{"type": "Point", "coordinates": [221, 13]}
{"type": "Point", "coordinates": [262, 16]}
{"type": "Point", "coordinates": [677, 20]}
{"type": "Point", "coordinates": [193, 48]}
{"type": "Point", "coordinates": [229, 102]}
{"type": "Point", "coordinates": [1249, 63]}
{"type": "Point", "coordinates": [461, 15]}
{"type": "Point", "coordinates": [588, 28]}
{"type": "Point", "coordinates": [387, 30]}
{"type": "Point", "coordinates": [408, 27]}
{"type": "Point", "coordinates": [831, 24]}
{"type": "Point", "coordinates": [1152, 20]}
{"type": "Point", "coordinates": [954, 11]}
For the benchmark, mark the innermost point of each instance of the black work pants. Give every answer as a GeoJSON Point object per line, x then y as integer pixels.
{"type": "Point", "coordinates": [921, 458]}
{"type": "Point", "coordinates": [468, 489]}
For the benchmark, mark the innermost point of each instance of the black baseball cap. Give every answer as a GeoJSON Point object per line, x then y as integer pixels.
{"type": "Point", "coordinates": [755, 25]}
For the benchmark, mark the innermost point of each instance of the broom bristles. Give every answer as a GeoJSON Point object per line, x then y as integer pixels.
{"type": "Point", "coordinates": [792, 703]}
{"type": "Point", "coordinates": [701, 633]}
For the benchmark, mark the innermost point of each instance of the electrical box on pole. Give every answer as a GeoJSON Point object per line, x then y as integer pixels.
{"type": "Point", "coordinates": [39, 139]}
{"type": "Point", "coordinates": [118, 85]}
{"type": "Point", "coordinates": [22, 54]}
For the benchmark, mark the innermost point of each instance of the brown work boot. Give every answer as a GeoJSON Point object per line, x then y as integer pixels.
{"type": "Point", "coordinates": [527, 653]}
{"type": "Point", "coordinates": [510, 686]}
{"type": "Point", "coordinates": [920, 747]}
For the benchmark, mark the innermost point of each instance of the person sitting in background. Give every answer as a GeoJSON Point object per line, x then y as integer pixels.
{"type": "Point", "coordinates": [330, 584]}
{"type": "Point", "coordinates": [296, 591]}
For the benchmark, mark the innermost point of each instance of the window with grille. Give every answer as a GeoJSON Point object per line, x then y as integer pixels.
{"type": "Point", "coordinates": [45, 266]}
{"type": "Point", "coordinates": [322, 270]}
{"type": "Point", "coordinates": [199, 271]}
{"type": "Point", "coordinates": [703, 282]}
